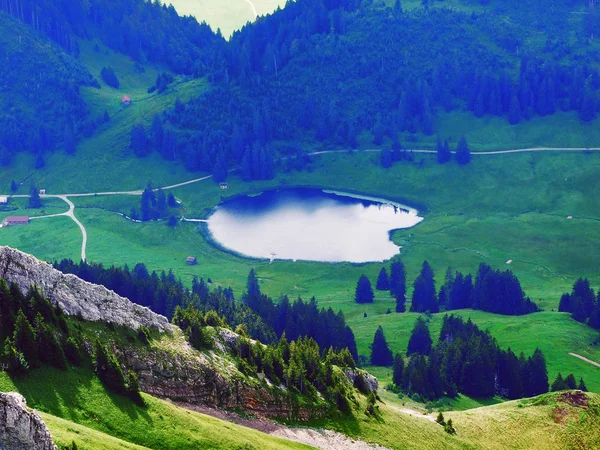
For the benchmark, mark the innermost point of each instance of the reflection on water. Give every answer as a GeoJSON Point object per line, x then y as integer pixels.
{"type": "Point", "coordinates": [309, 224]}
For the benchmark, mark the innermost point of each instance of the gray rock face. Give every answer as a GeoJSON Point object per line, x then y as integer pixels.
{"type": "Point", "coordinates": [21, 429]}
{"type": "Point", "coordinates": [369, 380]}
{"type": "Point", "coordinates": [73, 295]}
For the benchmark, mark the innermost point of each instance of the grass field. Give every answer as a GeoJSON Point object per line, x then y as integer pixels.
{"type": "Point", "coordinates": [228, 16]}
{"type": "Point", "coordinates": [78, 396]}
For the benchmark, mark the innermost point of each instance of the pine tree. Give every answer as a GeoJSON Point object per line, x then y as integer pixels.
{"type": "Point", "coordinates": [514, 113]}
{"type": "Point", "coordinates": [364, 291]}
{"type": "Point", "coordinates": [220, 170]}
{"type": "Point", "coordinates": [252, 287]}
{"type": "Point", "coordinates": [570, 382]}
{"type": "Point", "coordinates": [172, 201]}
{"type": "Point", "coordinates": [398, 285]}
{"type": "Point", "coordinates": [420, 339]}
{"type": "Point", "coordinates": [582, 386]}
{"type": "Point", "coordinates": [398, 370]}
{"type": "Point", "coordinates": [424, 294]}
{"type": "Point", "coordinates": [397, 9]}
{"type": "Point", "coordinates": [139, 140]}
{"type": "Point", "coordinates": [463, 154]}
{"type": "Point", "coordinates": [161, 203]}
{"type": "Point", "coordinates": [381, 355]}
{"type": "Point", "coordinates": [386, 159]}
{"type": "Point", "coordinates": [440, 419]}
{"type": "Point", "coordinates": [108, 370]}
{"type": "Point", "coordinates": [559, 383]}
{"type": "Point", "coordinates": [13, 186]}
{"type": "Point", "coordinates": [536, 375]}
{"type": "Point", "coordinates": [443, 151]}
{"type": "Point", "coordinates": [25, 340]}
{"type": "Point", "coordinates": [34, 197]}
{"type": "Point", "coordinates": [383, 282]}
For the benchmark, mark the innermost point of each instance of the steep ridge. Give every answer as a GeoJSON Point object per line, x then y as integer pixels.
{"type": "Point", "coordinates": [75, 296]}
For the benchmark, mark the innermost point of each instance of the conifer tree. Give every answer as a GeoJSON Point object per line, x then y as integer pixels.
{"type": "Point", "coordinates": [463, 153]}
{"type": "Point", "coordinates": [398, 369]}
{"type": "Point", "coordinates": [582, 386]}
{"type": "Point", "coordinates": [570, 382]}
{"type": "Point", "coordinates": [364, 291]}
{"type": "Point", "coordinates": [559, 383]}
{"type": "Point", "coordinates": [398, 285]}
{"type": "Point", "coordinates": [34, 197]}
{"type": "Point", "coordinates": [381, 355]}
{"type": "Point", "coordinates": [443, 151]}
{"type": "Point", "coordinates": [383, 282]}
{"type": "Point", "coordinates": [25, 340]}
{"type": "Point", "coordinates": [424, 295]}
{"type": "Point", "coordinates": [420, 339]}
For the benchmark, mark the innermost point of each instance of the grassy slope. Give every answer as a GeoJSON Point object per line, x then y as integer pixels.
{"type": "Point", "coordinates": [556, 334]}
{"type": "Point", "coordinates": [78, 396]}
{"type": "Point", "coordinates": [546, 422]}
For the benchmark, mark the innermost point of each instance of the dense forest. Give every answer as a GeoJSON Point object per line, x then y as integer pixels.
{"type": "Point", "coordinates": [261, 317]}
{"type": "Point", "coordinates": [300, 364]}
{"type": "Point", "coordinates": [327, 72]}
{"type": "Point", "coordinates": [581, 302]}
{"type": "Point", "coordinates": [492, 291]}
{"type": "Point", "coordinates": [464, 360]}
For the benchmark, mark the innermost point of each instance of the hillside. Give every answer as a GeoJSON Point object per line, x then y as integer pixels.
{"type": "Point", "coordinates": [41, 98]}
{"type": "Point", "coordinates": [75, 394]}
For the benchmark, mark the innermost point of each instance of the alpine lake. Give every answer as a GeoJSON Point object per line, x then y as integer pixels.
{"type": "Point", "coordinates": [310, 225]}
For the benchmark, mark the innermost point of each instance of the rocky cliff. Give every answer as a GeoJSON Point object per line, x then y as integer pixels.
{"type": "Point", "coordinates": [75, 296]}
{"type": "Point", "coordinates": [20, 428]}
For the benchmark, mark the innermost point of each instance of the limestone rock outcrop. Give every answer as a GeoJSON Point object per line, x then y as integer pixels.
{"type": "Point", "coordinates": [75, 296]}
{"type": "Point", "coordinates": [21, 428]}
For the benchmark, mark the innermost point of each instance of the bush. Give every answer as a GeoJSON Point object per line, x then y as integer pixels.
{"type": "Point", "coordinates": [109, 77]}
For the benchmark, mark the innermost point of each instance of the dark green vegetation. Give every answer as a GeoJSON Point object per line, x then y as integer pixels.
{"type": "Point", "coordinates": [501, 74]}
{"type": "Point", "coordinates": [582, 304]}
{"type": "Point", "coordinates": [466, 360]}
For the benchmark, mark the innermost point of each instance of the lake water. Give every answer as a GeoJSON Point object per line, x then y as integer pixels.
{"type": "Point", "coordinates": [311, 225]}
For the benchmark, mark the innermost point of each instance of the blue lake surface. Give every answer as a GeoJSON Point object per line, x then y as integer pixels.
{"type": "Point", "coordinates": [310, 225]}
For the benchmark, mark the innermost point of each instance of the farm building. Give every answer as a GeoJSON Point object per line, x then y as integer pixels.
{"type": "Point", "coordinates": [42, 191]}
{"type": "Point", "coordinates": [191, 260]}
{"type": "Point", "coordinates": [3, 200]}
{"type": "Point", "coordinates": [16, 220]}
{"type": "Point", "coordinates": [125, 101]}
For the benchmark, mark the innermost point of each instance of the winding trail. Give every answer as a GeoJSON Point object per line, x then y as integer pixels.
{"type": "Point", "coordinates": [71, 212]}
{"type": "Point", "coordinates": [583, 358]}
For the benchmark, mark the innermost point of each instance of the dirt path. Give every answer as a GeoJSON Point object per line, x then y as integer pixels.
{"type": "Point", "coordinates": [413, 413]}
{"type": "Point", "coordinates": [70, 213]}
{"type": "Point", "coordinates": [583, 358]}
{"type": "Point", "coordinates": [321, 439]}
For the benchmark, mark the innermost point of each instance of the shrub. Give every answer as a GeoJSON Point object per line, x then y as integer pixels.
{"type": "Point", "coordinates": [109, 77]}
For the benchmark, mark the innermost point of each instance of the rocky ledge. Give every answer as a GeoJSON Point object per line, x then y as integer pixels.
{"type": "Point", "coordinates": [20, 428]}
{"type": "Point", "coordinates": [75, 296]}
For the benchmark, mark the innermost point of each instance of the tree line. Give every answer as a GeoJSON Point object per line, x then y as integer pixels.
{"type": "Point", "coordinates": [464, 360]}
{"type": "Point", "coordinates": [582, 303]}
{"type": "Point", "coordinates": [36, 334]}
{"type": "Point", "coordinates": [494, 291]}
{"type": "Point", "coordinates": [300, 364]}
{"type": "Point", "coordinates": [262, 318]}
